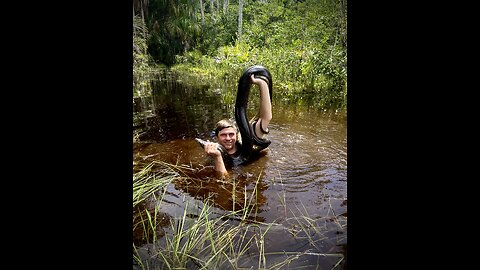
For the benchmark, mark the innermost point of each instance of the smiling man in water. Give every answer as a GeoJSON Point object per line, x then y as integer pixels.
{"type": "Point", "coordinates": [226, 132]}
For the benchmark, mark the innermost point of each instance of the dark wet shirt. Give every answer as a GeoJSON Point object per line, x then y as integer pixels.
{"type": "Point", "coordinates": [235, 159]}
{"type": "Point", "coordinates": [231, 160]}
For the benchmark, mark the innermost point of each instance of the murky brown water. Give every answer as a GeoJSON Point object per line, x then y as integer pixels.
{"type": "Point", "coordinates": [302, 179]}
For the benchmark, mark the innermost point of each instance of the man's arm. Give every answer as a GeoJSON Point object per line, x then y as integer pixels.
{"type": "Point", "coordinates": [212, 150]}
{"type": "Point", "coordinates": [265, 113]}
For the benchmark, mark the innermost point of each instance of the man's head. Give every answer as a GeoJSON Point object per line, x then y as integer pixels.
{"type": "Point", "coordinates": [226, 134]}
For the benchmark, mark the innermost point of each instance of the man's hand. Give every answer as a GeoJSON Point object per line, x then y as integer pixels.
{"type": "Point", "coordinates": [257, 81]}
{"type": "Point", "coordinates": [211, 149]}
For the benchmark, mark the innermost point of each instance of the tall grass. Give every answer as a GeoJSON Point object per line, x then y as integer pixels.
{"type": "Point", "coordinates": [146, 182]}
{"type": "Point", "coordinates": [201, 238]}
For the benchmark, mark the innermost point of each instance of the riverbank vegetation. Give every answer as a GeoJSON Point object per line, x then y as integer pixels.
{"type": "Point", "coordinates": [302, 43]}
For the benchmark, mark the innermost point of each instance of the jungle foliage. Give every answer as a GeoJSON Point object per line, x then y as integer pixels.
{"type": "Point", "coordinates": [302, 42]}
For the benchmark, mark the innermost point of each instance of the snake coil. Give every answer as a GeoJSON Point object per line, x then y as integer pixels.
{"type": "Point", "coordinates": [250, 142]}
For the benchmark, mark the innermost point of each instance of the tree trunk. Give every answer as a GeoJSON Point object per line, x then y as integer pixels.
{"type": "Point", "coordinates": [211, 9]}
{"type": "Point", "coordinates": [225, 6]}
{"type": "Point", "coordinates": [240, 14]}
{"type": "Point", "coordinates": [201, 11]}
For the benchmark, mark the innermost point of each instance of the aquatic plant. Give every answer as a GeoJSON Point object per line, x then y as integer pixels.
{"type": "Point", "coordinates": [203, 238]}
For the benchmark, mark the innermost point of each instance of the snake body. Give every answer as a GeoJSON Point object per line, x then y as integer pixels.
{"type": "Point", "coordinates": [250, 142]}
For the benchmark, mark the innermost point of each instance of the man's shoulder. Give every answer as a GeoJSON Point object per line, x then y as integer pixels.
{"type": "Point", "coordinates": [239, 149]}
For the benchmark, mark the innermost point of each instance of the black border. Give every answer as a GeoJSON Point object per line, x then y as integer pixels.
{"type": "Point", "coordinates": [70, 123]}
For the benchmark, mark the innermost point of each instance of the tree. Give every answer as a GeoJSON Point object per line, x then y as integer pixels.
{"type": "Point", "coordinates": [240, 15]}
{"type": "Point", "coordinates": [203, 14]}
{"type": "Point", "coordinates": [211, 9]}
{"type": "Point", "coordinates": [225, 6]}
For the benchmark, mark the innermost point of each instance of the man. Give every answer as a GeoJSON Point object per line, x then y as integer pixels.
{"type": "Point", "coordinates": [226, 132]}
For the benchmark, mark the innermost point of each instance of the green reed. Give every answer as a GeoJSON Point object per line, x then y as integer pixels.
{"type": "Point", "coordinates": [210, 240]}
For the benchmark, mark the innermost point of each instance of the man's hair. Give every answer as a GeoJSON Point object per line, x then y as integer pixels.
{"type": "Point", "coordinates": [224, 123]}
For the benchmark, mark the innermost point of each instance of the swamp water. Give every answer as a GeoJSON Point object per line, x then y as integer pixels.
{"type": "Point", "coordinates": [296, 194]}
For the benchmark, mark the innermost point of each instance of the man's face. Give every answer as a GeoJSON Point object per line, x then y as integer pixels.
{"type": "Point", "coordinates": [227, 137]}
